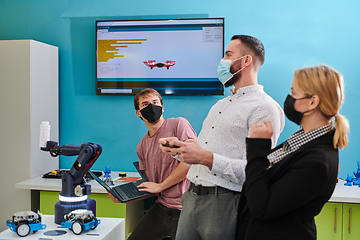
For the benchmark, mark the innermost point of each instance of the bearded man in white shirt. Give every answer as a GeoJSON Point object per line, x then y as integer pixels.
{"type": "Point", "coordinates": [218, 156]}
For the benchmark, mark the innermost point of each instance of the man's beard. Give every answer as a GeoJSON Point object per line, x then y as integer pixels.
{"type": "Point", "coordinates": [233, 80]}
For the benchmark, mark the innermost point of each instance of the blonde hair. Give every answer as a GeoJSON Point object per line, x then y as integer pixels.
{"type": "Point", "coordinates": [328, 84]}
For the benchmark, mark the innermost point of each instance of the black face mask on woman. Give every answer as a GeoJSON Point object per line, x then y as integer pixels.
{"type": "Point", "coordinates": [290, 112]}
{"type": "Point", "coordinates": [151, 112]}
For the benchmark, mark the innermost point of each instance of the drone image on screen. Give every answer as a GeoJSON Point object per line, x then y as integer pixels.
{"type": "Point", "coordinates": [152, 63]}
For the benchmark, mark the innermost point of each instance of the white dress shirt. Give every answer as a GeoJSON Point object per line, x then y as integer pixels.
{"type": "Point", "coordinates": [224, 133]}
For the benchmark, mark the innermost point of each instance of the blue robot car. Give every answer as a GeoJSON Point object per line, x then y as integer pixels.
{"type": "Point", "coordinates": [80, 220]}
{"type": "Point", "coordinates": [25, 222]}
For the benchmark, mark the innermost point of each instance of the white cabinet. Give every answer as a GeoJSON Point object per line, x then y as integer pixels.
{"type": "Point", "coordinates": [28, 95]}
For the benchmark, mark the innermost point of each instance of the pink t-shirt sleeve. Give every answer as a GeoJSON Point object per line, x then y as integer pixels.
{"type": "Point", "coordinates": [184, 130]}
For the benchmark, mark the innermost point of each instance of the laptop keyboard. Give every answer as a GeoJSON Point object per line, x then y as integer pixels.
{"type": "Point", "coordinates": [131, 190]}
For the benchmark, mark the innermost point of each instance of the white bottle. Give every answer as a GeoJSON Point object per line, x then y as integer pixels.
{"type": "Point", "coordinates": [44, 133]}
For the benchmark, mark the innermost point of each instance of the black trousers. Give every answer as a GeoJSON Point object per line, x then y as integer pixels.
{"type": "Point", "coordinates": [158, 223]}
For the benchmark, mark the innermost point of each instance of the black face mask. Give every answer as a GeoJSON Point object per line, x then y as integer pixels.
{"type": "Point", "coordinates": [290, 112]}
{"type": "Point", "coordinates": [152, 113]}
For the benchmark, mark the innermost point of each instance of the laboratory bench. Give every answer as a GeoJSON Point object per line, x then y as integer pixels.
{"type": "Point", "coordinates": [338, 220]}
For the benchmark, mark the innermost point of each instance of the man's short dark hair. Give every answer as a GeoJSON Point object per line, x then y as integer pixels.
{"type": "Point", "coordinates": [254, 45]}
{"type": "Point", "coordinates": [144, 92]}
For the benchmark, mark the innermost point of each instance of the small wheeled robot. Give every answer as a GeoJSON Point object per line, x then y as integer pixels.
{"type": "Point", "coordinates": [80, 220]}
{"type": "Point", "coordinates": [25, 222]}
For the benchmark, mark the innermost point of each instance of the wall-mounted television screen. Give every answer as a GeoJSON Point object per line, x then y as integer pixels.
{"type": "Point", "coordinates": [173, 56]}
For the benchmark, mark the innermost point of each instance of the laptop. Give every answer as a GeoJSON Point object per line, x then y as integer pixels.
{"type": "Point", "coordinates": [128, 191]}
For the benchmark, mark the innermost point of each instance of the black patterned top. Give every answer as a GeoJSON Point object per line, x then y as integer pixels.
{"type": "Point", "coordinates": [295, 141]}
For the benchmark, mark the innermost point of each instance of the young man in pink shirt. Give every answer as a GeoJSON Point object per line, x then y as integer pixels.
{"type": "Point", "coordinates": [167, 176]}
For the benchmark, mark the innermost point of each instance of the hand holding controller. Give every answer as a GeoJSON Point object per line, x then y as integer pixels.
{"type": "Point", "coordinates": [168, 145]}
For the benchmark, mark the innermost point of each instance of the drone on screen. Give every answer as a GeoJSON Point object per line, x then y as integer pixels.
{"type": "Point", "coordinates": [152, 63]}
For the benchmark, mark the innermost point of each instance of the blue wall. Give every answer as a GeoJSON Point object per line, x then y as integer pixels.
{"type": "Point", "coordinates": [295, 34]}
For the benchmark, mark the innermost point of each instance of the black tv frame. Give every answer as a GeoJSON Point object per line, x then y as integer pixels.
{"type": "Point", "coordinates": [191, 87]}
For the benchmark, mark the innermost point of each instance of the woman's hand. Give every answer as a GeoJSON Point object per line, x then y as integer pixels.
{"type": "Point", "coordinates": [261, 130]}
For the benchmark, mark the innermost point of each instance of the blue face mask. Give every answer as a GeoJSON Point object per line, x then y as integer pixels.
{"type": "Point", "coordinates": [223, 70]}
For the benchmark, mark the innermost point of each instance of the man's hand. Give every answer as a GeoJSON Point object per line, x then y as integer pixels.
{"type": "Point", "coordinates": [261, 130]}
{"type": "Point", "coordinates": [188, 151]}
{"type": "Point", "coordinates": [150, 187]}
{"type": "Point", "coordinates": [114, 199]}
{"type": "Point", "coordinates": [165, 145]}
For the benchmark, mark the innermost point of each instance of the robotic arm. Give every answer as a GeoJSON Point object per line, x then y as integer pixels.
{"type": "Point", "coordinates": [73, 183]}
{"type": "Point", "coordinates": [75, 191]}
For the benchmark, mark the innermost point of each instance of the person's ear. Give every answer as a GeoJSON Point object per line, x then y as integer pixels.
{"type": "Point", "coordinates": [315, 101]}
{"type": "Point", "coordinates": [138, 113]}
{"type": "Point", "coordinates": [248, 60]}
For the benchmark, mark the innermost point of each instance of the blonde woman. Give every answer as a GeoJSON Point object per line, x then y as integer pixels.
{"type": "Point", "coordinates": [286, 187]}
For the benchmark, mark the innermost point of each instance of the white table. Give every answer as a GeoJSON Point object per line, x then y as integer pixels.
{"type": "Point", "coordinates": [109, 229]}
{"type": "Point", "coordinates": [345, 194]}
